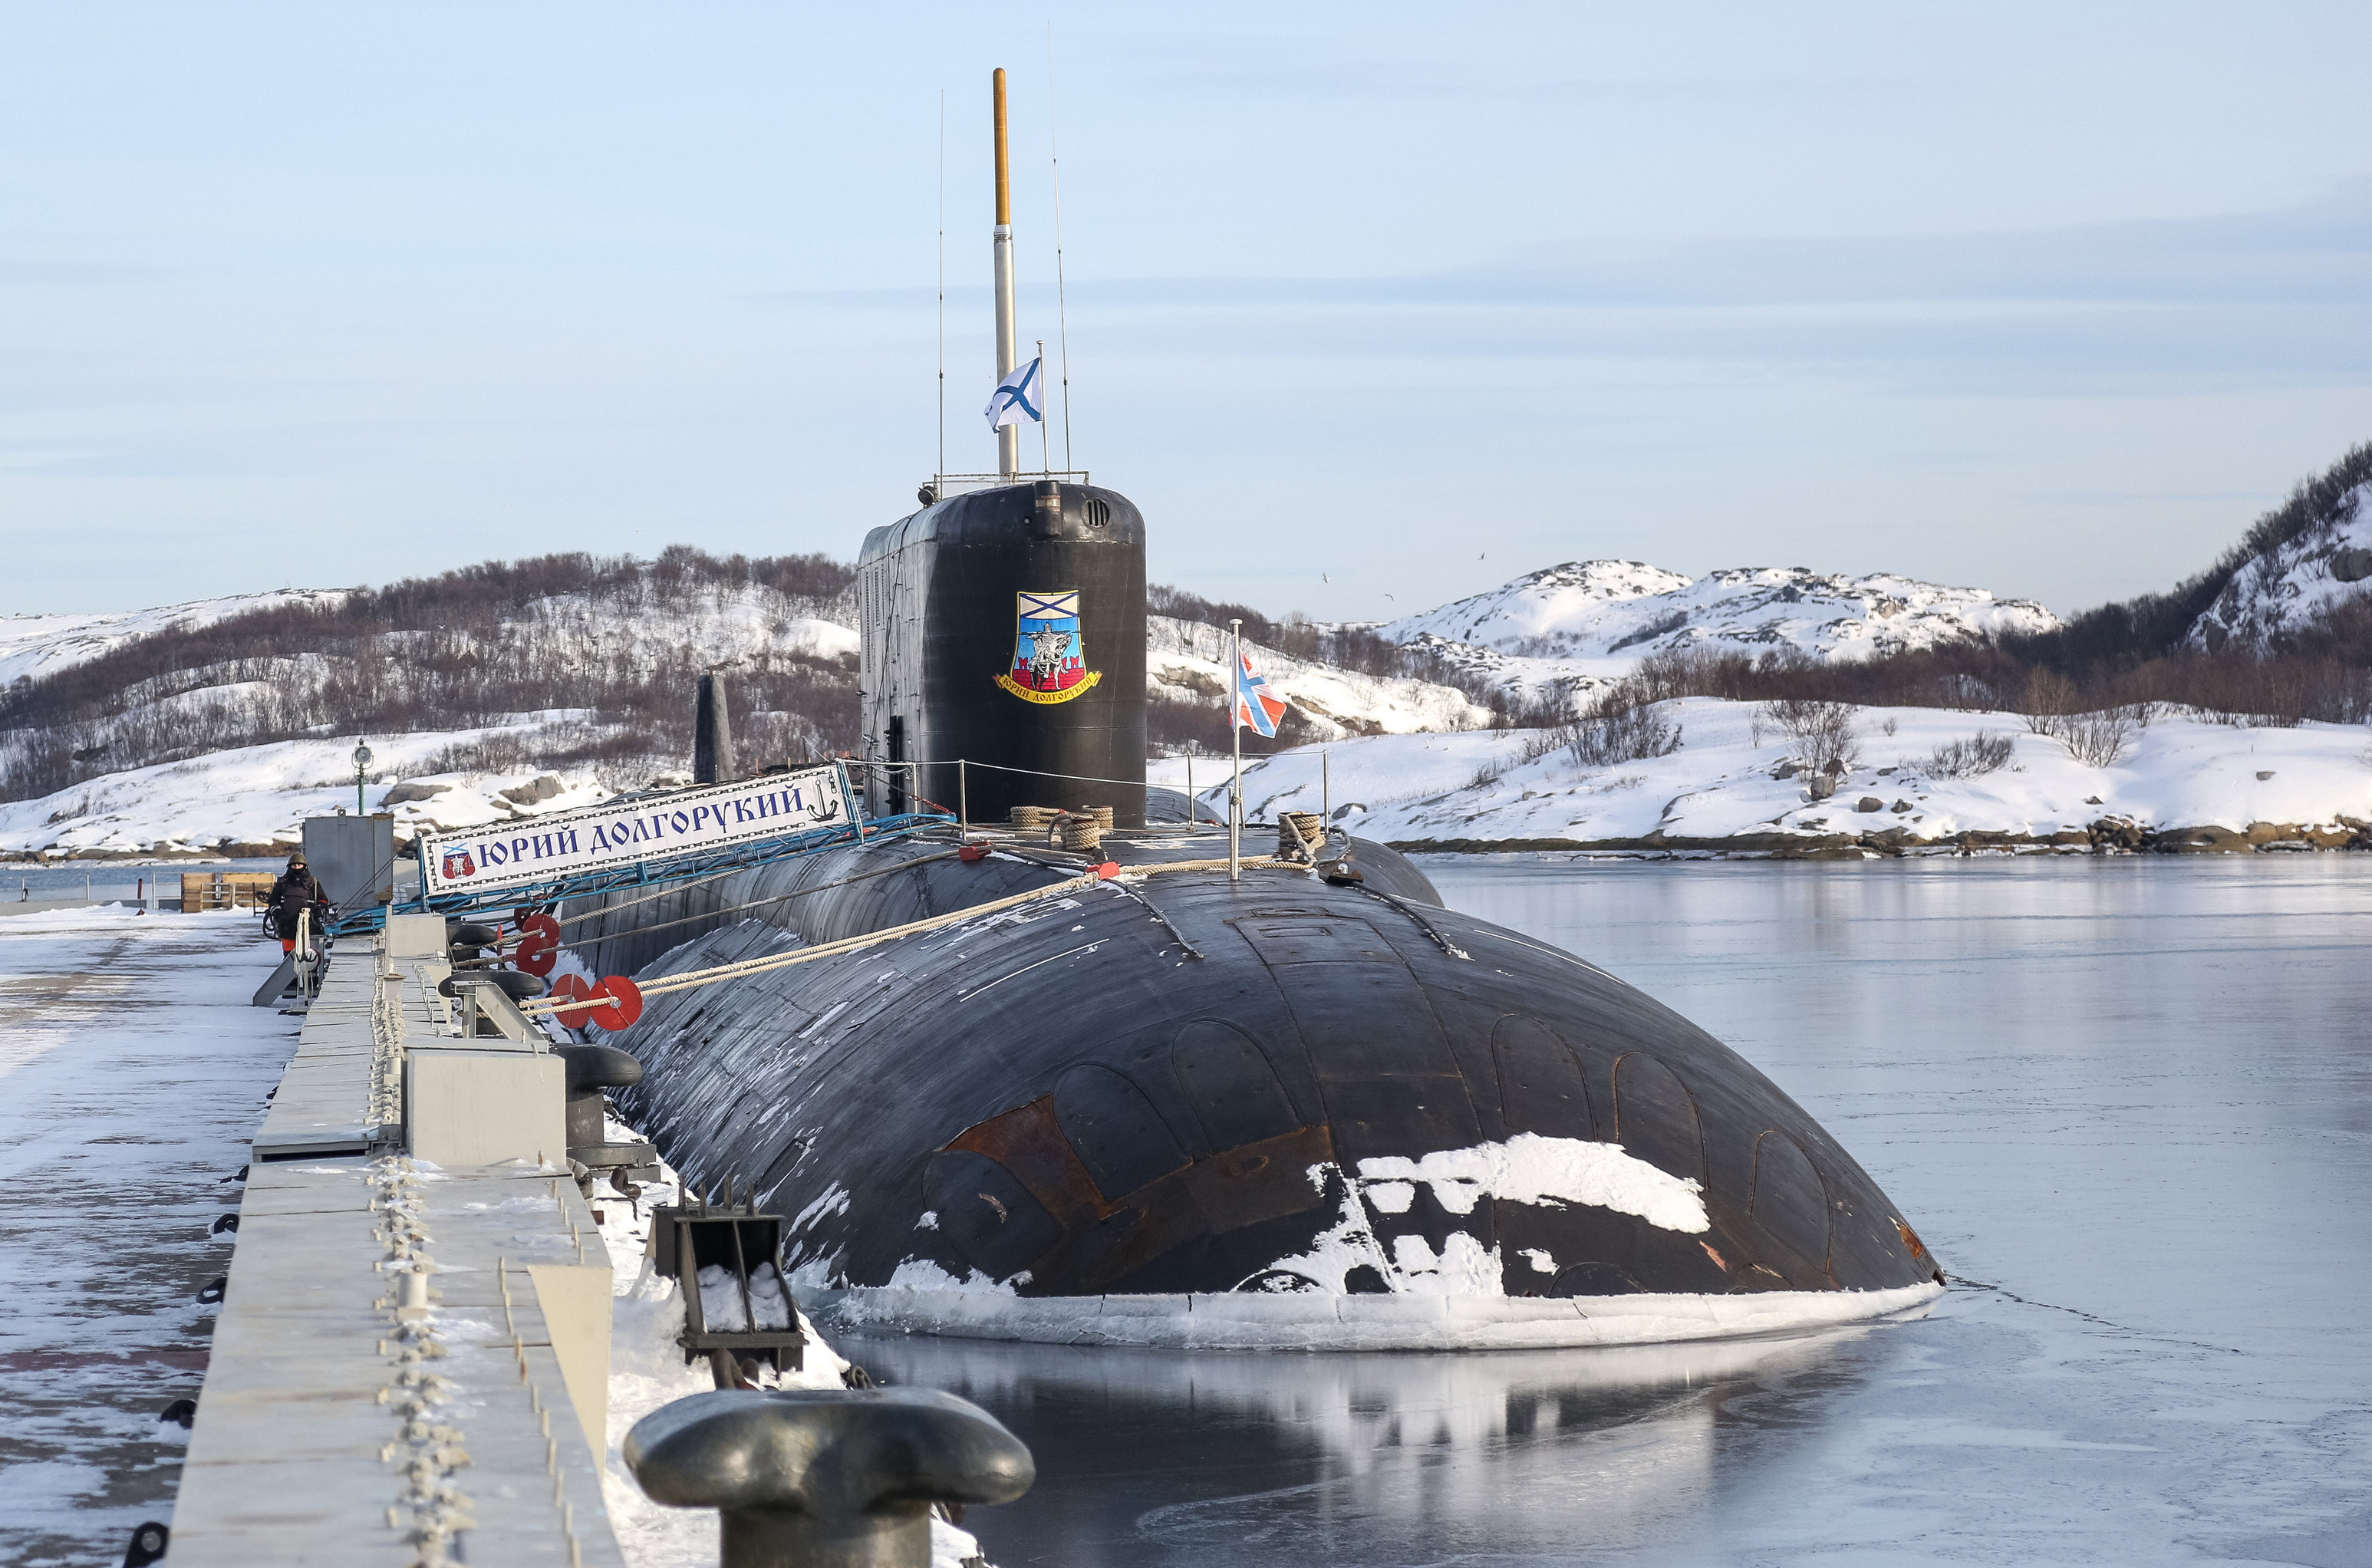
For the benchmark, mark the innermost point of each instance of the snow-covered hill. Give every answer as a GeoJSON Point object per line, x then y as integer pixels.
{"type": "Point", "coordinates": [1602, 616]}
{"type": "Point", "coordinates": [35, 645]}
{"type": "Point", "coordinates": [1187, 662]}
{"type": "Point", "coordinates": [440, 675]}
{"type": "Point", "coordinates": [2286, 587]}
{"type": "Point", "coordinates": [1414, 760]}
{"type": "Point", "coordinates": [1729, 787]}
{"type": "Point", "coordinates": [253, 798]}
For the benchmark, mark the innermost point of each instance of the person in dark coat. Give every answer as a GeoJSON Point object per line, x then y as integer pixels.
{"type": "Point", "coordinates": [292, 892]}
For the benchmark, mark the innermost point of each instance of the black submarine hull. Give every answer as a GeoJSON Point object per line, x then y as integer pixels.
{"type": "Point", "coordinates": [1306, 1109]}
{"type": "Point", "coordinates": [1182, 1087]}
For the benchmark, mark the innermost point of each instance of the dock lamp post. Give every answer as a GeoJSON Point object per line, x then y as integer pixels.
{"type": "Point", "coordinates": [361, 766]}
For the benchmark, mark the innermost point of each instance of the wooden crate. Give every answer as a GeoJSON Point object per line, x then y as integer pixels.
{"type": "Point", "coordinates": [225, 889]}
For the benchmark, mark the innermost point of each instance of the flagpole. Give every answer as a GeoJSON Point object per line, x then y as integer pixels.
{"type": "Point", "coordinates": [1045, 441]}
{"type": "Point", "coordinates": [1236, 730]}
{"type": "Point", "coordinates": [1008, 350]}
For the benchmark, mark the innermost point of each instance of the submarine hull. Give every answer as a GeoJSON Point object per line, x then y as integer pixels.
{"type": "Point", "coordinates": [1280, 1089]}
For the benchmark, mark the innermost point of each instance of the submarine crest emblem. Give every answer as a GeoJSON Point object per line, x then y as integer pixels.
{"type": "Point", "coordinates": [1049, 659]}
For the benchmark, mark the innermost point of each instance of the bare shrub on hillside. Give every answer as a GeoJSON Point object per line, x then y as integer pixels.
{"type": "Point", "coordinates": [1983, 752]}
{"type": "Point", "coordinates": [488, 754]}
{"type": "Point", "coordinates": [1538, 743]}
{"type": "Point", "coordinates": [2096, 740]}
{"type": "Point", "coordinates": [1824, 729]}
{"type": "Point", "coordinates": [1622, 735]}
{"type": "Point", "coordinates": [2048, 695]}
{"type": "Point", "coordinates": [479, 647]}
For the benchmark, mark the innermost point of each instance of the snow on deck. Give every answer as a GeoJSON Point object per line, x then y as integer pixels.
{"type": "Point", "coordinates": [132, 1072]}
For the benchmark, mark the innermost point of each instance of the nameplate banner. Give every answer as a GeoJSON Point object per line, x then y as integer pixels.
{"type": "Point", "coordinates": [623, 833]}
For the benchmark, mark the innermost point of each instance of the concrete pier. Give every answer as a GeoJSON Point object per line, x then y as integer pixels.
{"type": "Point", "coordinates": [412, 1357]}
{"type": "Point", "coordinates": [409, 1360]}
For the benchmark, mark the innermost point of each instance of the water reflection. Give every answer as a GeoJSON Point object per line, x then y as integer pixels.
{"type": "Point", "coordinates": [1177, 1458]}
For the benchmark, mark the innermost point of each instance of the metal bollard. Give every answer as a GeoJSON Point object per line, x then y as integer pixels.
{"type": "Point", "coordinates": [826, 1478]}
{"type": "Point", "coordinates": [591, 1069]}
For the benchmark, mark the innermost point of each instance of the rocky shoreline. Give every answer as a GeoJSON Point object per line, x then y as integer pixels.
{"type": "Point", "coordinates": [2109, 835]}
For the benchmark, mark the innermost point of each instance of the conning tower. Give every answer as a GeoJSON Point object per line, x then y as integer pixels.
{"type": "Point", "coordinates": [1007, 627]}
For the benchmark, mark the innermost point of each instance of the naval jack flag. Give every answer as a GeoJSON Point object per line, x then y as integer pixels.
{"type": "Point", "coordinates": [1016, 400]}
{"type": "Point", "coordinates": [1257, 707]}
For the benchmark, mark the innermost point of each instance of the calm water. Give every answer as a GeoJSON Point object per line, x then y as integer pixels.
{"type": "Point", "coordinates": [2126, 1101]}
{"type": "Point", "coordinates": [109, 879]}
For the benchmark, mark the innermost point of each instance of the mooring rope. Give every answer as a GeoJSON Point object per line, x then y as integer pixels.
{"type": "Point", "coordinates": [693, 979]}
{"type": "Point", "coordinates": [759, 903]}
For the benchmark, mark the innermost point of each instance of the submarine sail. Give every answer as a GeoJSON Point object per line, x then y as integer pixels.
{"type": "Point", "coordinates": [1007, 627]}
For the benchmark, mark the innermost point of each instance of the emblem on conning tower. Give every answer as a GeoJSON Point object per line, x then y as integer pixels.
{"type": "Point", "coordinates": [1049, 659]}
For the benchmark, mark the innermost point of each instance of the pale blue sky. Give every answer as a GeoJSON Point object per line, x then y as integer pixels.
{"type": "Point", "coordinates": [2048, 299]}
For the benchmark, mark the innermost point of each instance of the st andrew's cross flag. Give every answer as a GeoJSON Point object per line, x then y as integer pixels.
{"type": "Point", "coordinates": [1257, 707]}
{"type": "Point", "coordinates": [1018, 399]}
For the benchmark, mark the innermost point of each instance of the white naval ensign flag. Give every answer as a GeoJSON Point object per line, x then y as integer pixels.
{"type": "Point", "coordinates": [1016, 399]}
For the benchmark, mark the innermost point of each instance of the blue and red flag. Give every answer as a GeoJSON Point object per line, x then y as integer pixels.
{"type": "Point", "coordinates": [1257, 707]}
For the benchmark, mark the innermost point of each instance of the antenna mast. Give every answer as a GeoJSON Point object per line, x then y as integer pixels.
{"type": "Point", "coordinates": [1008, 350]}
{"type": "Point", "coordinates": [943, 290]}
{"type": "Point", "coordinates": [1062, 311]}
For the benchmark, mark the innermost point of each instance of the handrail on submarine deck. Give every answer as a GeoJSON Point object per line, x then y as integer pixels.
{"type": "Point", "coordinates": [963, 811]}
{"type": "Point", "coordinates": [654, 872]}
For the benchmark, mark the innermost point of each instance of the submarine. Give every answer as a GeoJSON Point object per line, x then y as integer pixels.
{"type": "Point", "coordinates": [1305, 1104]}
{"type": "Point", "coordinates": [1112, 1082]}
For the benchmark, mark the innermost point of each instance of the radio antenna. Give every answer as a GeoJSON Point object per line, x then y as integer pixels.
{"type": "Point", "coordinates": [1061, 314]}
{"type": "Point", "coordinates": [943, 286]}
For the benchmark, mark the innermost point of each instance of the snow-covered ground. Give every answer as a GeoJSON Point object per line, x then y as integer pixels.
{"type": "Point", "coordinates": [647, 1370]}
{"type": "Point", "coordinates": [1720, 783]}
{"type": "Point", "coordinates": [1554, 636]}
{"type": "Point", "coordinates": [1602, 609]}
{"type": "Point", "coordinates": [131, 1074]}
{"type": "Point", "coordinates": [35, 645]}
{"type": "Point", "coordinates": [1413, 762]}
{"type": "Point", "coordinates": [2286, 587]}
{"type": "Point", "coordinates": [259, 796]}
{"type": "Point", "coordinates": [1472, 785]}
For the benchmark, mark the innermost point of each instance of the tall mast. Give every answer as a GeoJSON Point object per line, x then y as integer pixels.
{"type": "Point", "coordinates": [1008, 346]}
